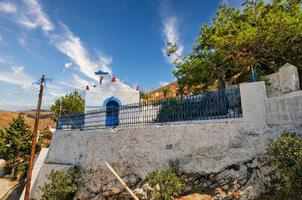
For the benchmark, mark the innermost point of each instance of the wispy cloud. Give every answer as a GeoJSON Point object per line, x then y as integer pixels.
{"type": "Point", "coordinates": [71, 45]}
{"type": "Point", "coordinates": [163, 83]}
{"type": "Point", "coordinates": [16, 76]}
{"type": "Point", "coordinates": [30, 14]}
{"type": "Point", "coordinates": [11, 103]}
{"type": "Point", "coordinates": [8, 7]}
{"type": "Point", "coordinates": [35, 17]}
{"type": "Point", "coordinates": [171, 34]}
{"type": "Point", "coordinates": [67, 65]}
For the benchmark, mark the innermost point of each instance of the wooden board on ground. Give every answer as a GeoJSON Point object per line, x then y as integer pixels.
{"type": "Point", "coordinates": [195, 197]}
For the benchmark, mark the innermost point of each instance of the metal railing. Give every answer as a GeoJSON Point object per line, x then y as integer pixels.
{"type": "Point", "coordinates": [218, 104]}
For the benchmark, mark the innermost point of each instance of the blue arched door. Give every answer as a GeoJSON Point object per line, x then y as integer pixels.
{"type": "Point", "coordinates": [112, 112]}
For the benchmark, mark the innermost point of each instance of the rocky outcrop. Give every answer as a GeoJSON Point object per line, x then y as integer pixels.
{"type": "Point", "coordinates": [98, 184]}
{"type": "Point", "coordinates": [242, 181]}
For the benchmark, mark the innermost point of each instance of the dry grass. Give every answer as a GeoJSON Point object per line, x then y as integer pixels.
{"type": "Point", "coordinates": [45, 121]}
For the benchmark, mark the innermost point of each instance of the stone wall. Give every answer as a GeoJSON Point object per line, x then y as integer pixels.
{"type": "Point", "coordinates": [284, 81]}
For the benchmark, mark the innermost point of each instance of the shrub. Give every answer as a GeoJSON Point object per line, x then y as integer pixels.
{"type": "Point", "coordinates": [286, 154]}
{"type": "Point", "coordinates": [62, 185]}
{"type": "Point", "coordinates": [45, 137]}
{"type": "Point", "coordinates": [169, 182]}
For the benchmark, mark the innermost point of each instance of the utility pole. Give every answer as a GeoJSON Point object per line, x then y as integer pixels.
{"type": "Point", "coordinates": [34, 141]}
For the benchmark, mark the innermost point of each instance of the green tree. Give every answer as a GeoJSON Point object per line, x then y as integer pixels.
{"type": "Point", "coordinates": [166, 91]}
{"type": "Point", "coordinates": [15, 145]}
{"type": "Point", "coordinates": [68, 104]}
{"type": "Point", "coordinates": [260, 35]}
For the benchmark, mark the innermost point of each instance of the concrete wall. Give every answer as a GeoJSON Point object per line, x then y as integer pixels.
{"type": "Point", "coordinates": [200, 148]}
{"type": "Point", "coordinates": [284, 102]}
{"type": "Point", "coordinates": [36, 174]}
{"type": "Point", "coordinates": [284, 81]}
{"type": "Point", "coordinates": [284, 110]}
{"type": "Point", "coordinates": [253, 102]}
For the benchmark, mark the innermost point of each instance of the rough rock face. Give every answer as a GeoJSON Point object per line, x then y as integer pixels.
{"type": "Point", "coordinates": [242, 181]}
{"type": "Point", "coordinates": [101, 184]}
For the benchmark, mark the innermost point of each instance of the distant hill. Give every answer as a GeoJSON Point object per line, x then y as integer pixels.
{"type": "Point", "coordinates": [29, 115]}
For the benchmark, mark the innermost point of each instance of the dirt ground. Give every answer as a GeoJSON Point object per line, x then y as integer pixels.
{"type": "Point", "coordinates": [7, 116]}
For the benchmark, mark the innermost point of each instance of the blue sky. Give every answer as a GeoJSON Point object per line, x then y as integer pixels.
{"type": "Point", "coordinates": [69, 40]}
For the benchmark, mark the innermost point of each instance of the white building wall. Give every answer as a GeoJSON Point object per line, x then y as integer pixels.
{"type": "Point", "coordinates": [96, 97]}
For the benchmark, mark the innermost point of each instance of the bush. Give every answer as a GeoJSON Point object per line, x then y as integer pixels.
{"type": "Point", "coordinates": [286, 154]}
{"type": "Point", "coordinates": [62, 185]}
{"type": "Point", "coordinates": [45, 137]}
{"type": "Point", "coordinates": [169, 182]}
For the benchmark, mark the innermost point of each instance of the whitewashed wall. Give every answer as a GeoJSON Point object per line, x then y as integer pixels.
{"type": "Point", "coordinates": [96, 97]}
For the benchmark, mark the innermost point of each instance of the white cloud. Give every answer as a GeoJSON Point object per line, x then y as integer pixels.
{"type": "Point", "coordinates": [76, 82]}
{"type": "Point", "coordinates": [71, 45]}
{"type": "Point", "coordinates": [8, 7]}
{"type": "Point", "coordinates": [1, 38]}
{"type": "Point", "coordinates": [55, 94]}
{"type": "Point", "coordinates": [31, 15]}
{"type": "Point", "coordinates": [22, 41]}
{"type": "Point", "coordinates": [35, 17]}
{"type": "Point", "coordinates": [16, 76]}
{"type": "Point", "coordinates": [28, 13]}
{"type": "Point", "coordinates": [171, 34]}
{"type": "Point", "coordinates": [163, 83]}
{"type": "Point", "coordinates": [4, 103]}
{"type": "Point", "coordinates": [79, 82]}
{"type": "Point", "coordinates": [67, 65]}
